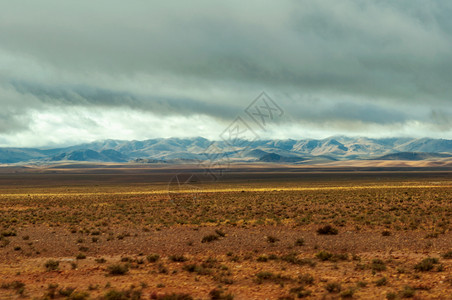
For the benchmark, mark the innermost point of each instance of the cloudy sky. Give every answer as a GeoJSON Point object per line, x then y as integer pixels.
{"type": "Point", "coordinates": [77, 71]}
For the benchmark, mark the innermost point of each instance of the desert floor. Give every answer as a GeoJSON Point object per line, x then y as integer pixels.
{"type": "Point", "coordinates": [124, 233]}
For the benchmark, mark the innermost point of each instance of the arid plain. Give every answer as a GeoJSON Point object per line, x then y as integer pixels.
{"type": "Point", "coordinates": [259, 232]}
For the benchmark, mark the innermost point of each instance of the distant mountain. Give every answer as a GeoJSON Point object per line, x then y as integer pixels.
{"type": "Point", "coordinates": [108, 155]}
{"type": "Point", "coordinates": [186, 150]}
{"type": "Point", "coordinates": [413, 156]}
{"type": "Point", "coordinates": [273, 157]}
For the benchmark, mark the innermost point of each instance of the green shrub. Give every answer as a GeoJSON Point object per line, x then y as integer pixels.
{"type": "Point", "coordinates": [426, 264]}
{"type": "Point", "coordinates": [52, 265]}
{"type": "Point", "coordinates": [117, 269]}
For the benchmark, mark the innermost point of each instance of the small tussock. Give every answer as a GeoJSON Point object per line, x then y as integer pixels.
{"type": "Point", "coordinates": [327, 230]}
{"type": "Point", "coordinates": [52, 265]}
{"type": "Point", "coordinates": [426, 264]}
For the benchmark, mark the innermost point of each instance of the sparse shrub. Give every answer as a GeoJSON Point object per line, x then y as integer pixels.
{"type": "Point", "coordinates": [173, 296]}
{"type": "Point", "coordinates": [152, 258]}
{"type": "Point", "coordinates": [220, 233]}
{"type": "Point", "coordinates": [66, 292]}
{"type": "Point", "coordinates": [272, 239]}
{"type": "Point", "coordinates": [8, 233]}
{"type": "Point", "coordinates": [386, 233]}
{"type": "Point", "coordinates": [80, 256]}
{"type": "Point", "coordinates": [194, 268]}
{"type": "Point", "coordinates": [264, 275]}
{"type": "Point", "coordinates": [348, 293]}
{"type": "Point", "coordinates": [83, 248]}
{"type": "Point", "coordinates": [361, 284]}
{"type": "Point", "coordinates": [300, 291]}
{"type": "Point", "coordinates": [269, 276]}
{"type": "Point", "coordinates": [333, 287]}
{"type": "Point", "coordinates": [52, 265]}
{"type": "Point", "coordinates": [306, 279]}
{"type": "Point", "coordinates": [391, 296]}
{"type": "Point", "coordinates": [340, 256]}
{"type": "Point", "coordinates": [117, 269]}
{"type": "Point", "coordinates": [219, 294]}
{"type": "Point", "coordinates": [273, 257]}
{"type": "Point", "coordinates": [382, 281]}
{"type": "Point", "coordinates": [114, 295]}
{"type": "Point", "coordinates": [426, 264]}
{"type": "Point", "coordinates": [324, 255]}
{"type": "Point", "coordinates": [262, 258]}
{"type": "Point", "coordinates": [447, 255]}
{"type": "Point", "coordinates": [432, 235]}
{"type": "Point", "coordinates": [304, 293]}
{"type": "Point", "coordinates": [4, 242]}
{"type": "Point", "coordinates": [162, 269]}
{"type": "Point", "coordinates": [209, 238]}
{"type": "Point", "coordinates": [79, 296]}
{"type": "Point", "coordinates": [177, 258]}
{"type": "Point", "coordinates": [299, 242]}
{"type": "Point", "coordinates": [327, 230]}
{"type": "Point", "coordinates": [100, 260]}
{"type": "Point", "coordinates": [18, 286]}
{"type": "Point", "coordinates": [377, 265]}
{"type": "Point", "coordinates": [407, 292]}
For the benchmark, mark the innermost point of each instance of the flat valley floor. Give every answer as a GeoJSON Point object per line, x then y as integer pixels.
{"type": "Point", "coordinates": [117, 232]}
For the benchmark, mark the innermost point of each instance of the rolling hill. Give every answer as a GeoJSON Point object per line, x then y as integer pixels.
{"type": "Point", "coordinates": [196, 149]}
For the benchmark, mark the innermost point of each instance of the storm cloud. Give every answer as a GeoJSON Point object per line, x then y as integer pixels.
{"type": "Point", "coordinates": [76, 71]}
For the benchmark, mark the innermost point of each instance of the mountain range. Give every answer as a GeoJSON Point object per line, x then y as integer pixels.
{"type": "Point", "coordinates": [187, 150]}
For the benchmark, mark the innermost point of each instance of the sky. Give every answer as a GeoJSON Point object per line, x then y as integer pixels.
{"type": "Point", "coordinates": [79, 71]}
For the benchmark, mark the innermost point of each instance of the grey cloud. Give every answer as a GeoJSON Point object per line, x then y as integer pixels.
{"type": "Point", "coordinates": [82, 95]}
{"type": "Point", "coordinates": [368, 62]}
